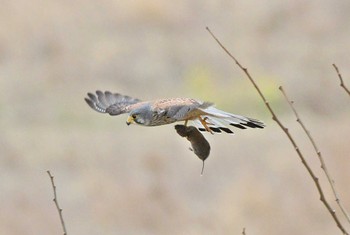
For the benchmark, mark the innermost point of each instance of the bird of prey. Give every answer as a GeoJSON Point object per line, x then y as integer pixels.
{"type": "Point", "coordinates": [166, 111]}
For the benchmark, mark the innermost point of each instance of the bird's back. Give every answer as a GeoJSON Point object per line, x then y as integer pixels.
{"type": "Point", "coordinates": [170, 102]}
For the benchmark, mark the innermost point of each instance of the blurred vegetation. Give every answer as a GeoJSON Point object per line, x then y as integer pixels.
{"type": "Point", "coordinates": [234, 93]}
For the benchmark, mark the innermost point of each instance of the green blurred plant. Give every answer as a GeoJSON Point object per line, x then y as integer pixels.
{"type": "Point", "coordinates": [232, 94]}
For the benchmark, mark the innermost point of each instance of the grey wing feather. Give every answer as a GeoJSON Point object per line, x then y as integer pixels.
{"type": "Point", "coordinates": [107, 102]}
{"type": "Point", "coordinates": [179, 112]}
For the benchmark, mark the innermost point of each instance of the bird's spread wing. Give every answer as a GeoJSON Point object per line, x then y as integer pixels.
{"type": "Point", "coordinates": [112, 103]}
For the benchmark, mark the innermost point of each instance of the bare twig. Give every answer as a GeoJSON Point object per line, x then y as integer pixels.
{"type": "Point", "coordinates": [323, 164]}
{"type": "Point", "coordinates": [243, 232]}
{"type": "Point", "coordinates": [286, 131]}
{"type": "Point", "coordinates": [342, 84]}
{"type": "Point", "coordinates": [56, 203]}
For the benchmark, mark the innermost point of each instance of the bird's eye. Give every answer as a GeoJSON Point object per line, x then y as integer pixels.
{"type": "Point", "coordinates": [133, 116]}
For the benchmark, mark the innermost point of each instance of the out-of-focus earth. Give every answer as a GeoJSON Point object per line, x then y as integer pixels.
{"type": "Point", "coordinates": [117, 179]}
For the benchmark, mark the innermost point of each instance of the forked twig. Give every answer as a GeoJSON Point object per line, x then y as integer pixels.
{"type": "Point", "coordinates": [323, 164]}
{"type": "Point", "coordinates": [342, 84]}
{"type": "Point", "coordinates": [286, 131]}
{"type": "Point", "coordinates": [56, 203]}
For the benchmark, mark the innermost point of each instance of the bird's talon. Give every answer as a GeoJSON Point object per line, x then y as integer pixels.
{"type": "Point", "coordinates": [204, 123]}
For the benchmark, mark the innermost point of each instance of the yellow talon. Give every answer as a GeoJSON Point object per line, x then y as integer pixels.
{"type": "Point", "coordinates": [204, 123]}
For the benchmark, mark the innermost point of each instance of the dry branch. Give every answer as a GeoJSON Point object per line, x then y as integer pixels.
{"type": "Point", "coordinates": [291, 139]}
{"type": "Point", "coordinates": [323, 164]}
{"type": "Point", "coordinates": [56, 203]}
{"type": "Point", "coordinates": [342, 84]}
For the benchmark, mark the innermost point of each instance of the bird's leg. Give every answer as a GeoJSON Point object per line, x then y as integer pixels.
{"type": "Point", "coordinates": [205, 119]}
{"type": "Point", "coordinates": [204, 123]}
{"type": "Point", "coordinates": [186, 122]}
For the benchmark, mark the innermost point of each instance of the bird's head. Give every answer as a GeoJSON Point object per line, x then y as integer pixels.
{"type": "Point", "coordinates": [141, 116]}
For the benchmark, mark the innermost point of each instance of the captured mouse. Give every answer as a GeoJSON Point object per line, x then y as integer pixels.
{"type": "Point", "coordinates": [200, 146]}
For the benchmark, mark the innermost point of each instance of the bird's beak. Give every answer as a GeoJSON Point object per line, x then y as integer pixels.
{"type": "Point", "coordinates": [130, 120]}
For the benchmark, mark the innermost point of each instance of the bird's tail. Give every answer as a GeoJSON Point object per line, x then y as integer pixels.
{"type": "Point", "coordinates": [107, 102]}
{"type": "Point", "coordinates": [220, 121]}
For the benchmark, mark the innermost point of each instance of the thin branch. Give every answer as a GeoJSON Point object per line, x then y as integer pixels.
{"type": "Point", "coordinates": [243, 232]}
{"type": "Point", "coordinates": [286, 131]}
{"type": "Point", "coordinates": [342, 84]}
{"type": "Point", "coordinates": [323, 164]}
{"type": "Point", "coordinates": [56, 203]}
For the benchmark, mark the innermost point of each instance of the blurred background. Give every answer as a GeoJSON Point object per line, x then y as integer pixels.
{"type": "Point", "coordinates": [118, 179]}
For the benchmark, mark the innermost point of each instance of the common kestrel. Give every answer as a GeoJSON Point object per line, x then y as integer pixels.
{"type": "Point", "coordinates": [166, 111]}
